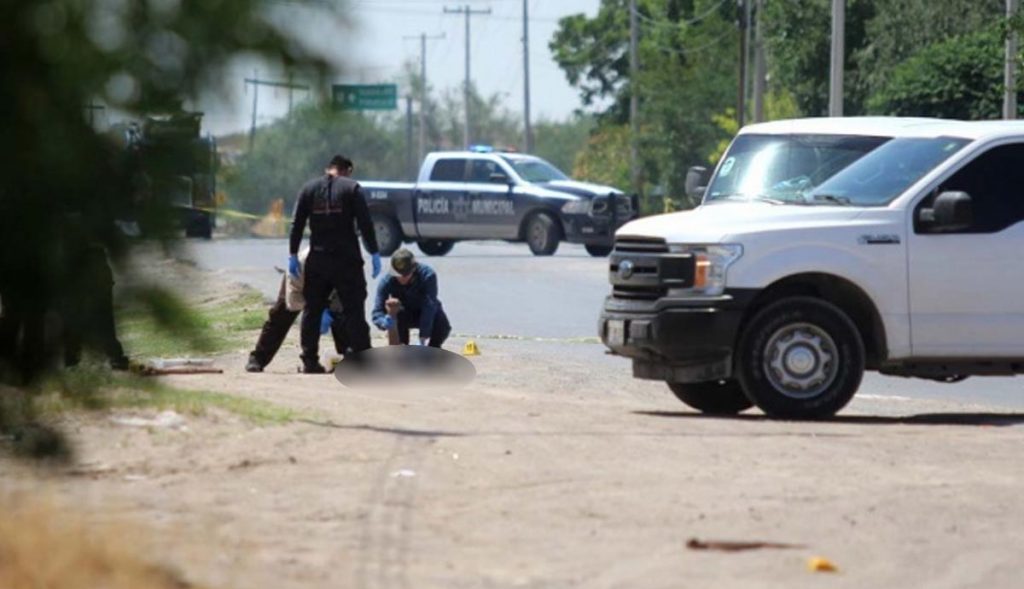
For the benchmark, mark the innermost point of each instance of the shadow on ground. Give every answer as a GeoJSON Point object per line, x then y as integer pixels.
{"type": "Point", "coordinates": [966, 419]}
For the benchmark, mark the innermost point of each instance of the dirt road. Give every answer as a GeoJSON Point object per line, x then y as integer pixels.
{"type": "Point", "coordinates": [549, 472]}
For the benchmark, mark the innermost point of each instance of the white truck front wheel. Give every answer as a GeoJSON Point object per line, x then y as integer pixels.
{"type": "Point", "coordinates": [800, 358]}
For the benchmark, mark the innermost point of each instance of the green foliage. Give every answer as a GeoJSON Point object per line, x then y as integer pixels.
{"type": "Point", "coordinates": [560, 142]}
{"type": "Point", "coordinates": [961, 78]}
{"type": "Point", "coordinates": [604, 159]}
{"type": "Point", "coordinates": [687, 55]}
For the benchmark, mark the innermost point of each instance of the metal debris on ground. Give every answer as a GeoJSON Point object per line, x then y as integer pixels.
{"type": "Point", "coordinates": [166, 366]}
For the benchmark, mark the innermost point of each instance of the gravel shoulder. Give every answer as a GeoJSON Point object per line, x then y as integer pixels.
{"type": "Point", "coordinates": [554, 468]}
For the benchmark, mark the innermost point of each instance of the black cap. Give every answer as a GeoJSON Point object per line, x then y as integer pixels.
{"type": "Point", "coordinates": [341, 162]}
{"type": "Point", "coordinates": [403, 262]}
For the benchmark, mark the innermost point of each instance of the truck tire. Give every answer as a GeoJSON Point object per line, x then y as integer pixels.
{"type": "Point", "coordinates": [198, 224]}
{"type": "Point", "coordinates": [800, 358]}
{"type": "Point", "coordinates": [542, 234]}
{"type": "Point", "coordinates": [436, 247]}
{"type": "Point", "coordinates": [598, 251]}
{"type": "Point", "coordinates": [718, 397]}
{"type": "Point", "coordinates": [389, 234]}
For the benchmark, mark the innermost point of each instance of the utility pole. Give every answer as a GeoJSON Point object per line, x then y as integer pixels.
{"type": "Point", "coordinates": [759, 64]}
{"type": "Point", "coordinates": [528, 126]}
{"type": "Point", "coordinates": [835, 87]}
{"type": "Point", "coordinates": [1010, 73]}
{"type": "Point", "coordinates": [256, 83]}
{"type": "Point", "coordinates": [423, 37]}
{"type": "Point", "coordinates": [468, 12]}
{"type": "Point", "coordinates": [408, 136]}
{"type": "Point", "coordinates": [741, 98]}
{"type": "Point", "coordinates": [634, 98]}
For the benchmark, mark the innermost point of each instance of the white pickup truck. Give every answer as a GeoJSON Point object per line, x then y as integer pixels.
{"type": "Point", "coordinates": [824, 248]}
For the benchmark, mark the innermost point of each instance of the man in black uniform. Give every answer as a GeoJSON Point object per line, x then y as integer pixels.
{"type": "Point", "coordinates": [333, 204]}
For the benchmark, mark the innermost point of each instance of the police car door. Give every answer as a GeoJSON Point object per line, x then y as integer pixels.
{"type": "Point", "coordinates": [491, 200]}
{"type": "Point", "coordinates": [436, 200]}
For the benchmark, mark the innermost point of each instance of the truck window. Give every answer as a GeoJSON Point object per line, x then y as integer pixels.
{"type": "Point", "coordinates": [481, 170]}
{"type": "Point", "coordinates": [879, 177]}
{"type": "Point", "coordinates": [449, 170]}
{"type": "Point", "coordinates": [785, 167]}
{"type": "Point", "coordinates": [995, 181]}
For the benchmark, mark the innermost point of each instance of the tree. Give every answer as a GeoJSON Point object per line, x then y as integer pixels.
{"type": "Point", "coordinates": [687, 55]}
{"type": "Point", "coordinates": [560, 141]}
{"type": "Point", "coordinates": [961, 78]}
{"type": "Point", "coordinates": [63, 184]}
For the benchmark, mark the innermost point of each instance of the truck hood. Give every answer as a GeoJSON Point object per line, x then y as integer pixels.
{"type": "Point", "coordinates": [581, 189]}
{"type": "Point", "coordinates": [718, 222]}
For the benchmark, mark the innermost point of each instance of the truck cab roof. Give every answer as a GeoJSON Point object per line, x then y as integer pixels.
{"type": "Point", "coordinates": [889, 127]}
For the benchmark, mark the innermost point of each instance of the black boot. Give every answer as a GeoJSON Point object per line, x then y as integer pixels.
{"type": "Point", "coordinates": [253, 365]}
{"type": "Point", "coordinates": [312, 368]}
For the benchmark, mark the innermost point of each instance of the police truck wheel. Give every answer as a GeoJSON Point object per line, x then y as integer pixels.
{"type": "Point", "coordinates": [436, 247]}
{"type": "Point", "coordinates": [800, 358]}
{"type": "Point", "coordinates": [542, 235]}
{"type": "Point", "coordinates": [718, 397]}
{"type": "Point", "coordinates": [598, 251]}
{"type": "Point", "coordinates": [389, 234]}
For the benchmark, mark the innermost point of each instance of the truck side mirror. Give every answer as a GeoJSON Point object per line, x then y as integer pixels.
{"type": "Point", "coordinates": [696, 182]}
{"type": "Point", "coordinates": [951, 211]}
{"type": "Point", "coordinates": [499, 178]}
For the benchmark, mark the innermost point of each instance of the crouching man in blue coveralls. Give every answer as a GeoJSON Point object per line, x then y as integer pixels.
{"type": "Point", "coordinates": [414, 287]}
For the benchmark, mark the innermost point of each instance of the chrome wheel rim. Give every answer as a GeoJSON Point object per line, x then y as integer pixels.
{"type": "Point", "coordinates": [383, 231]}
{"type": "Point", "coordinates": [801, 360]}
{"type": "Point", "coordinates": [537, 237]}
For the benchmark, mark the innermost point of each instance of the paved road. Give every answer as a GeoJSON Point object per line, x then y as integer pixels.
{"type": "Point", "coordinates": [497, 289]}
{"type": "Point", "coordinates": [492, 289]}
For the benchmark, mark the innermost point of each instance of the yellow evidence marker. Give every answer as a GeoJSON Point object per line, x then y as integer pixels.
{"type": "Point", "coordinates": [470, 349]}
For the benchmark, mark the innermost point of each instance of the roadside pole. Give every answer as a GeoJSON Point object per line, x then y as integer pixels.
{"type": "Point", "coordinates": [835, 88]}
{"type": "Point", "coordinates": [1010, 72]}
{"type": "Point", "coordinates": [634, 99]}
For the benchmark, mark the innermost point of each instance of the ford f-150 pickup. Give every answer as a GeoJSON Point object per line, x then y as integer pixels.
{"type": "Point", "coordinates": [824, 248]}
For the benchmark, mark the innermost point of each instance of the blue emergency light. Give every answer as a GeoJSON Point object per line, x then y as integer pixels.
{"type": "Point", "coordinates": [481, 148]}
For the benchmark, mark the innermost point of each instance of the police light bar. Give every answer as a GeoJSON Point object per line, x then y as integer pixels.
{"type": "Point", "coordinates": [481, 148]}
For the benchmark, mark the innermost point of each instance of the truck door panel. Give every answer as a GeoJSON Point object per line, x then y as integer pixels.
{"type": "Point", "coordinates": [966, 286]}
{"type": "Point", "coordinates": [492, 204]}
{"type": "Point", "coordinates": [436, 198]}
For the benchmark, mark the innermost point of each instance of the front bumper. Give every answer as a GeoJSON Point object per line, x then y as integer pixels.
{"type": "Point", "coordinates": [676, 339]}
{"type": "Point", "coordinates": [599, 228]}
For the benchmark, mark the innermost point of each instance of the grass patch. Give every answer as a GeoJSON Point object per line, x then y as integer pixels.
{"type": "Point", "coordinates": [100, 390]}
{"type": "Point", "coordinates": [162, 327]}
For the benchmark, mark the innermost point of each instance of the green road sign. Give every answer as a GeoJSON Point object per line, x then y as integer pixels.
{"type": "Point", "coordinates": [364, 96]}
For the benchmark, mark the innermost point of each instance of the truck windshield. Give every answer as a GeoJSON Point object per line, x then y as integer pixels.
{"type": "Point", "coordinates": [882, 175]}
{"type": "Point", "coordinates": [784, 168]}
{"type": "Point", "coordinates": [536, 170]}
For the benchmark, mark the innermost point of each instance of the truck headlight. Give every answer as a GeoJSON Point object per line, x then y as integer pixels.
{"type": "Point", "coordinates": [711, 262]}
{"type": "Point", "coordinates": [579, 206]}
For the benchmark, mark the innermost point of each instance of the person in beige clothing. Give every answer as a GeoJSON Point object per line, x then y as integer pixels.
{"type": "Point", "coordinates": [282, 315]}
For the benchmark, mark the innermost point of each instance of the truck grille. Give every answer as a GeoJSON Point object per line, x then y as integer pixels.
{"type": "Point", "coordinates": [644, 245]}
{"type": "Point", "coordinates": [642, 268]}
{"type": "Point", "coordinates": [624, 205]}
{"type": "Point", "coordinates": [638, 293]}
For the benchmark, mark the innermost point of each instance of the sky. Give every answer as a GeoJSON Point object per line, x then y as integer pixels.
{"type": "Point", "coordinates": [373, 49]}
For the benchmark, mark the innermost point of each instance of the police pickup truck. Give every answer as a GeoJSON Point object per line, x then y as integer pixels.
{"type": "Point", "coordinates": [483, 194]}
{"type": "Point", "coordinates": [824, 248]}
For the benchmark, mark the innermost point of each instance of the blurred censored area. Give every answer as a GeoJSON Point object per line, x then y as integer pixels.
{"type": "Point", "coordinates": [405, 367]}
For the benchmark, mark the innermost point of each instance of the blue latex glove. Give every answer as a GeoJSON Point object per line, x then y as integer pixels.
{"type": "Point", "coordinates": [375, 259]}
{"type": "Point", "coordinates": [293, 266]}
{"type": "Point", "coordinates": [325, 322]}
{"type": "Point", "coordinates": [386, 323]}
